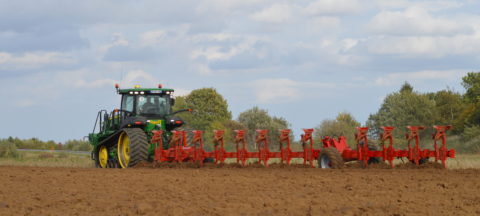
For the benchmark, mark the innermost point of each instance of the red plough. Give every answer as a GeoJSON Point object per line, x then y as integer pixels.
{"type": "Point", "coordinates": [180, 151]}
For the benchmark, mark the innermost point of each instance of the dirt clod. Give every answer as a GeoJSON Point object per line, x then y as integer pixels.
{"type": "Point", "coordinates": [143, 208]}
{"type": "Point", "coordinates": [4, 205]}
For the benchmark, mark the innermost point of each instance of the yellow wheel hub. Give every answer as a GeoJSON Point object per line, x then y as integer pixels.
{"type": "Point", "coordinates": [123, 150]}
{"type": "Point", "coordinates": [102, 157]}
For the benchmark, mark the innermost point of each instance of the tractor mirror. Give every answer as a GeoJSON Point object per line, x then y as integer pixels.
{"type": "Point", "coordinates": [182, 110]}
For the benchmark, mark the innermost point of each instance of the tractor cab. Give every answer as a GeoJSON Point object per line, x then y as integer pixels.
{"type": "Point", "coordinates": [149, 103]}
{"type": "Point", "coordinates": [146, 106]}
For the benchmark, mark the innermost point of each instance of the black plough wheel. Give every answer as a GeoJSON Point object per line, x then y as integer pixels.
{"type": "Point", "coordinates": [132, 147]}
{"type": "Point", "coordinates": [330, 158]}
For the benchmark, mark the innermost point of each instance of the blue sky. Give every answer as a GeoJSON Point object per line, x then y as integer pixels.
{"type": "Point", "coordinates": [301, 60]}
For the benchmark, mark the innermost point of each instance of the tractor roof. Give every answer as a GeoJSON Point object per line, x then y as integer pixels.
{"type": "Point", "coordinates": [146, 90]}
{"type": "Point", "coordinates": [122, 91]}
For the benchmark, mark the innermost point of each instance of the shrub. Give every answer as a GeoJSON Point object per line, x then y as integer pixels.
{"type": "Point", "coordinates": [8, 150]}
{"type": "Point", "coordinates": [77, 145]}
{"type": "Point", "coordinates": [62, 155]}
{"type": "Point", "coordinates": [45, 155]}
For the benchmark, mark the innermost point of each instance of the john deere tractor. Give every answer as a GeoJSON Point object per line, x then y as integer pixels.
{"type": "Point", "coordinates": [122, 137]}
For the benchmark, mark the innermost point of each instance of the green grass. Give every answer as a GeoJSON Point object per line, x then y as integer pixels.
{"type": "Point", "coordinates": [48, 159]}
{"type": "Point", "coordinates": [464, 161]}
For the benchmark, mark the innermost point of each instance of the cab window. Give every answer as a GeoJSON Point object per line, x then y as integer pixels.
{"type": "Point", "coordinates": [127, 103]}
{"type": "Point", "coordinates": [152, 105]}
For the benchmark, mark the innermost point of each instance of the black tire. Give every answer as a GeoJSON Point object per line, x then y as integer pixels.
{"type": "Point", "coordinates": [95, 158]}
{"type": "Point", "coordinates": [421, 161]}
{"type": "Point", "coordinates": [330, 158]}
{"type": "Point", "coordinates": [208, 160]}
{"type": "Point", "coordinates": [113, 163]}
{"type": "Point", "coordinates": [138, 146]}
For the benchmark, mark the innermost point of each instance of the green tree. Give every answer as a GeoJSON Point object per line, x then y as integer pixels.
{"type": "Point", "coordinates": [449, 106]}
{"type": "Point", "coordinates": [406, 88]}
{"type": "Point", "coordinates": [208, 106]}
{"type": "Point", "coordinates": [401, 109]}
{"type": "Point", "coordinates": [343, 125]}
{"type": "Point", "coordinates": [229, 136]}
{"type": "Point", "coordinates": [470, 116]}
{"type": "Point", "coordinates": [256, 118]}
{"type": "Point", "coordinates": [471, 82]}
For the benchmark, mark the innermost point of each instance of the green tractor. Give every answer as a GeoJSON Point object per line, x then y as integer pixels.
{"type": "Point", "coordinates": [121, 138]}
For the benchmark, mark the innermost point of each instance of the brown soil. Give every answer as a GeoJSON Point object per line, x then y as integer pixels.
{"type": "Point", "coordinates": [278, 190]}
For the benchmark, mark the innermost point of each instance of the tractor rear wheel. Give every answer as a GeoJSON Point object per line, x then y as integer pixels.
{"type": "Point", "coordinates": [330, 158]}
{"type": "Point", "coordinates": [132, 147]}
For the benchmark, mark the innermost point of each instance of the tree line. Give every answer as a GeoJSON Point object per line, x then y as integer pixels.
{"type": "Point", "coordinates": [405, 107]}
{"type": "Point", "coordinates": [210, 112]}
{"type": "Point", "coordinates": [399, 109]}
{"type": "Point", "coordinates": [35, 143]}
{"type": "Point", "coordinates": [445, 107]}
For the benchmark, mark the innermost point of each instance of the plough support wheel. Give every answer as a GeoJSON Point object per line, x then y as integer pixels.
{"type": "Point", "coordinates": [330, 158]}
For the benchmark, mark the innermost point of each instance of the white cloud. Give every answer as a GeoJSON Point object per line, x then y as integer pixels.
{"type": "Point", "coordinates": [349, 43]}
{"type": "Point", "coordinates": [435, 5]}
{"type": "Point", "coordinates": [425, 46]}
{"type": "Point", "coordinates": [392, 4]}
{"type": "Point", "coordinates": [132, 78]}
{"type": "Point", "coordinates": [151, 38]}
{"type": "Point", "coordinates": [282, 90]}
{"type": "Point", "coordinates": [224, 7]}
{"type": "Point", "coordinates": [32, 60]}
{"type": "Point", "coordinates": [202, 69]}
{"type": "Point", "coordinates": [139, 77]}
{"type": "Point", "coordinates": [25, 102]}
{"type": "Point", "coordinates": [222, 52]}
{"type": "Point", "coordinates": [181, 91]}
{"type": "Point", "coordinates": [321, 27]}
{"type": "Point", "coordinates": [275, 90]}
{"type": "Point", "coordinates": [415, 21]}
{"type": "Point", "coordinates": [397, 78]}
{"type": "Point", "coordinates": [333, 7]}
{"type": "Point", "coordinates": [277, 13]}
{"type": "Point", "coordinates": [95, 83]}
{"type": "Point", "coordinates": [117, 39]}
{"type": "Point", "coordinates": [214, 37]}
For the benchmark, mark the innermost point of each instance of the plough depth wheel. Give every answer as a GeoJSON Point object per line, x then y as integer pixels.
{"type": "Point", "coordinates": [330, 158]}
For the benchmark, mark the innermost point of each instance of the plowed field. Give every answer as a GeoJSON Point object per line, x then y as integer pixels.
{"type": "Point", "coordinates": [238, 191]}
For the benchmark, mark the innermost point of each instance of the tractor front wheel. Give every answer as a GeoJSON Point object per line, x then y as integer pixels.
{"type": "Point", "coordinates": [132, 147]}
{"type": "Point", "coordinates": [330, 158]}
{"type": "Point", "coordinates": [101, 157]}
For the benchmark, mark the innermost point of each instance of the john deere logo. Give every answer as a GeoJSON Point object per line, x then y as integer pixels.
{"type": "Point", "coordinates": [156, 121]}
